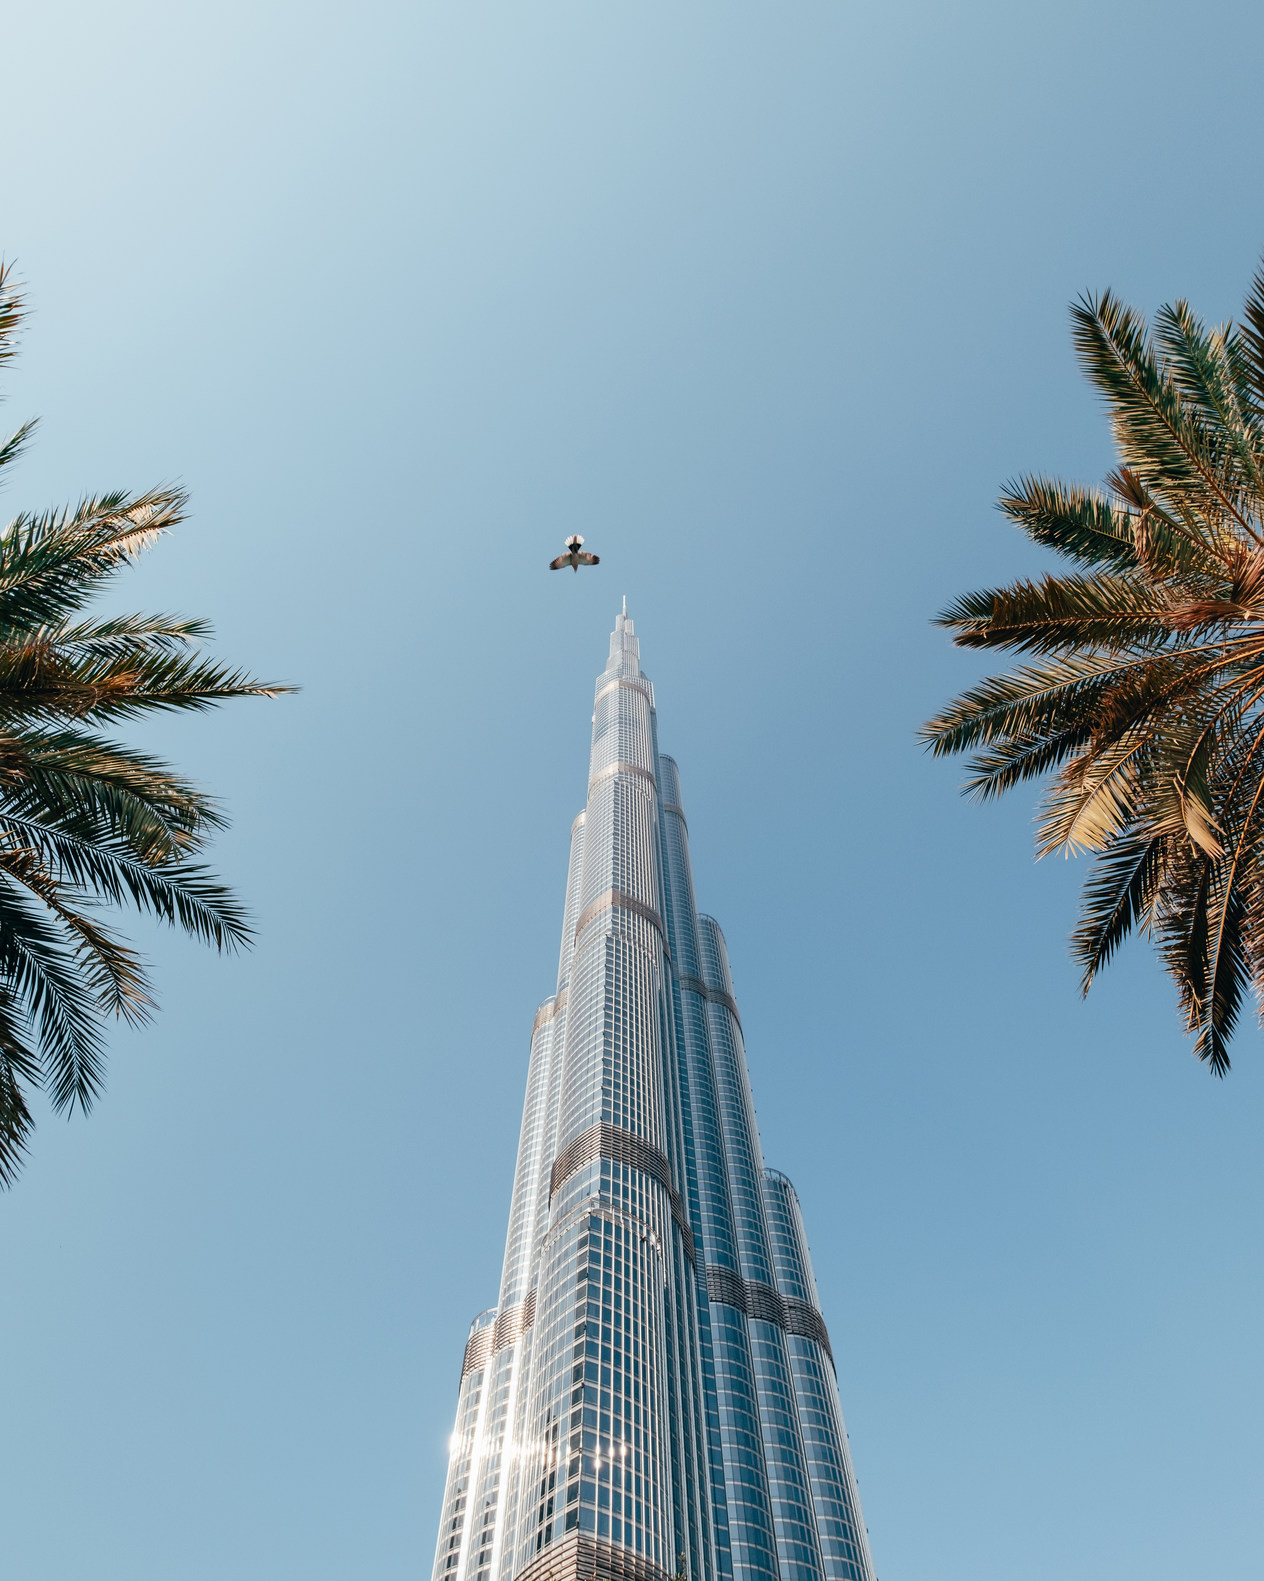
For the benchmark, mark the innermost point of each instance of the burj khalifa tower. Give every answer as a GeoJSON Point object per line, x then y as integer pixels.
{"type": "Point", "coordinates": [654, 1394]}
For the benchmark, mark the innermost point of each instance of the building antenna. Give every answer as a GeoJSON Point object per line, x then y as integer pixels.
{"type": "Point", "coordinates": [625, 606]}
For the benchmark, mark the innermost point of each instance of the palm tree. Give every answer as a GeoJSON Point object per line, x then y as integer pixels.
{"type": "Point", "coordinates": [87, 821]}
{"type": "Point", "coordinates": [1144, 699]}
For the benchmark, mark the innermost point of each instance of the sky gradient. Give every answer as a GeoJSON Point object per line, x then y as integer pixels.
{"type": "Point", "coordinates": [768, 302]}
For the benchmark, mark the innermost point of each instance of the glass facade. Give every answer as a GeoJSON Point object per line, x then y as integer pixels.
{"type": "Point", "coordinates": [654, 1395]}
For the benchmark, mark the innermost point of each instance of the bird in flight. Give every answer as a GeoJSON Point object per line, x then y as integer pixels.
{"type": "Point", "coordinates": [574, 556]}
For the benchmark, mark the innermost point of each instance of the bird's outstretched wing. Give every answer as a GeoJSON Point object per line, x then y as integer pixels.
{"type": "Point", "coordinates": [562, 561]}
{"type": "Point", "coordinates": [587, 559]}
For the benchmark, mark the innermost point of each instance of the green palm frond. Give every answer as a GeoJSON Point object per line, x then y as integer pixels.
{"type": "Point", "coordinates": [88, 785]}
{"type": "Point", "coordinates": [39, 679]}
{"type": "Point", "coordinates": [1064, 615]}
{"type": "Point", "coordinates": [1160, 436]}
{"type": "Point", "coordinates": [16, 1119]}
{"type": "Point", "coordinates": [1251, 335]}
{"type": "Point", "coordinates": [1145, 711]}
{"type": "Point", "coordinates": [11, 312]}
{"type": "Point", "coordinates": [12, 447]}
{"type": "Point", "coordinates": [1120, 894]}
{"type": "Point", "coordinates": [1082, 524]}
{"type": "Point", "coordinates": [1208, 369]}
{"type": "Point", "coordinates": [181, 893]}
{"type": "Point", "coordinates": [126, 633]}
{"type": "Point", "coordinates": [87, 822]}
{"type": "Point", "coordinates": [39, 970]}
{"type": "Point", "coordinates": [51, 563]}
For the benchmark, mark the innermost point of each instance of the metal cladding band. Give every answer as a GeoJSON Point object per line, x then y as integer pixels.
{"type": "Point", "coordinates": [632, 685]}
{"type": "Point", "coordinates": [726, 1286]}
{"type": "Point", "coordinates": [579, 1557]}
{"type": "Point", "coordinates": [616, 897]}
{"type": "Point", "coordinates": [547, 1011]}
{"type": "Point", "coordinates": [672, 806]}
{"type": "Point", "coordinates": [803, 1319]}
{"type": "Point", "coordinates": [717, 996]}
{"type": "Point", "coordinates": [620, 767]}
{"type": "Point", "coordinates": [478, 1350]}
{"type": "Point", "coordinates": [766, 1305]}
{"type": "Point", "coordinates": [514, 1321]}
{"type": "Point", "coordinates": [508, 1328]}
{"type": "Point", "coordinates": [621, 1147]}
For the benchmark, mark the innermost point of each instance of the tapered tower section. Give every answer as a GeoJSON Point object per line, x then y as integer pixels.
{"type": "Point", "coordinates": [654, 1394]}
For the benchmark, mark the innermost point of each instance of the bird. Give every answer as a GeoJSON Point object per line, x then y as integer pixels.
{"type": "Point", "coordinates": [574, 556]}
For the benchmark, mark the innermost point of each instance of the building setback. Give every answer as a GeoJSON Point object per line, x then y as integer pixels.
{"type": "Point", "coordinates": [654, 1395]}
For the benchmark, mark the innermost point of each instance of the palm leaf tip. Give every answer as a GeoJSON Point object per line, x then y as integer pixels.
{"type": "Point", "coordinates": [16, 1124]}
{"type": "Point", "coordinates": [1212, 1048]}
{"type": "Point", "coordinates": [12, 312]}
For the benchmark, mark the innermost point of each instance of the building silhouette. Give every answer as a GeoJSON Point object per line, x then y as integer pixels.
{"type": "Point", "coordinates": [654, 1394]}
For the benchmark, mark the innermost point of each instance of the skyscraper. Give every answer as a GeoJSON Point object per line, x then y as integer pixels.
{"type": "Point", "coordinates": [654, 1394]}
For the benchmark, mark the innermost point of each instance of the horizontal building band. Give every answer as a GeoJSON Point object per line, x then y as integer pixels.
{"type": "Point", "coordinates": [620, 767]}
{"type": "Point", "coordinates": [617, 897]}
{"type": "Point", "coordinates": [766, 1305]}
{"type": "Point", "coordinates": [621, 1147]}
{"type": "Point", "coordinates": [674, 806]}
{"type": "Point", "coordinates": [630, 684]}
{"type": "Point", "coordinates": [508, 1328]}
{"type": "Point", "coordinates": [579, 1557]}
{"type": "Point", "coordinates": [547, 1011]}
{"type": "Point", "coordinates": [717, 996]}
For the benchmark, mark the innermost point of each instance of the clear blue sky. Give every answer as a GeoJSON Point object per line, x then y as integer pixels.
{"type": "Point", "coordinates": [768, 301]}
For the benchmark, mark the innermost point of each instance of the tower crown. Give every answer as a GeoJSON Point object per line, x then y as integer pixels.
{"type": "Point", "coordinates": [625, 650]}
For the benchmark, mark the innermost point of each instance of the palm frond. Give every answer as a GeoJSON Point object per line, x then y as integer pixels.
{"type": "Point", "coordinates": [174, 891]}
{"type": "Point", "coordinates": [1165, 547]}
{"type": "Point", "coordinates": [12, 447]}
{"type": "Point", "coordinates": [124, 634]}
{"type": "Point", "coordinates": [87, 785]}
{"type": "Point", "coordinates": [1205, 951]}
{"type": "Point", "coordinates": [38, 965]}
{"type": "Point", "coordinates": [1093, 798]}
{"type": "Point", "coordinates": [1237, 876]}
{"type": "Point", "coordinates": [1203, 364]}
{"type": "Point", "coordinates": [1063, 614]}
{"type": "Point", "coordinates": [122, 682]}
{"type": "Point", "coordinates": [12, 312]}
{"type": "Point", "coordinates": [1067, 692]}
{"type": "Point", "coordinates": [1120, 894]}
{"type": "Point", "coordinates": [1159, 436]}
{"type": "Point", "coordinates": [50, 564]}
{"type": "Point", "coordinates": [1252, 334]}
{"type": "Point", "coordinates": [111, 969]}
{"type": "Point", "coordinates": [1080, 523]}
{"type": "Point", "coordinates": [16, 1120]}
